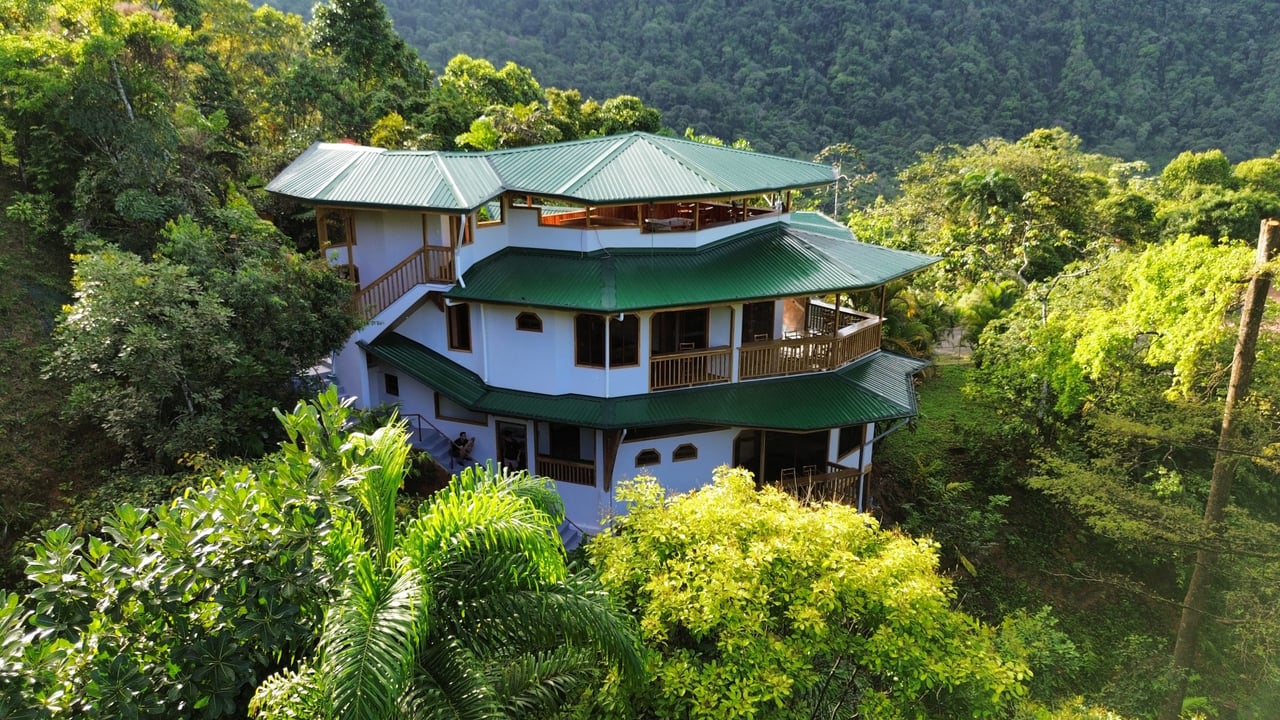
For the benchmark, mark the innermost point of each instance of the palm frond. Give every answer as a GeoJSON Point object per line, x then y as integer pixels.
{"type": "Point", "coordinates": [450, 684]}
{"type": "Point", "coordinates": [576, 612]}
{"type": "Point", "coordinates": [541, 684]}
{"type": "Point", "coordinates": [289, 695]}
{"type": "Point", "coordinates": [484, 523]}
{"type": "Point", "coordinates": [369, 640]}
{"type": "Point", "coordinates": [384, 461]}
{"type": "Point", "coordinates": [522, 483]}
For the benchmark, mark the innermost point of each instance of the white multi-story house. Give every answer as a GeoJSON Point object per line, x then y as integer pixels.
{"type": "Point", "coordinates": [597, 309]}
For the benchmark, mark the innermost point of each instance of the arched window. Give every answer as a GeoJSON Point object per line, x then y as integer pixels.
{"type": "Point", "coordinates": [684, 451]}
{"type": "Point", "coordinates": [648, 457]}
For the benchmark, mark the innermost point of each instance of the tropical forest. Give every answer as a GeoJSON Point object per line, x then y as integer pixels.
{"type": "Point", "coordinates": [1082, 521]}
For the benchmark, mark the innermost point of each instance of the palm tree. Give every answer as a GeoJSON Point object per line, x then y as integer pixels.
{"type": "Point", "coordinates": [468, 610]}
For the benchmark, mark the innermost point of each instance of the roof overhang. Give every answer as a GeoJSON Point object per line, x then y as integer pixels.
{"type": "Point", "coordinates": [877, 388]}
{"type": "Point", "coordinates": [619, 169]}
{"type": "Point", "coordinates": [773, 261]}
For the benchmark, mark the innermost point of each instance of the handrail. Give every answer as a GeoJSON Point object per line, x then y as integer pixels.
{"type": "Point", "coordinates": [574, 472]}
{"type": "Point", "coordinates": [391, 285]}
{"type": "Point", "coordinates": [808, 354]}
{"type": "Point", "coordinates": [423, 419]}
{"type": "Point", "coordinates": [821, 318]}
{"type": "Point", "coordinates": [440, 265]}
{"type": "Point", "coordinates": [688, 368]}
{"type": "Point", "coordinates": [838, 483]}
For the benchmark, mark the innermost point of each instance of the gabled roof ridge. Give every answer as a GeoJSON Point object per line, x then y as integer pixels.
{"type": "Point", "coordinates": [563, 143]}
{"type": "Point", "coordinates": [453, 182]}
{"type": "Point", "coordinates": [621, 143]}
{"type": "Point", "coordinates": [684, 160]}
{"type": "Point", "coordinates": [629, 167]}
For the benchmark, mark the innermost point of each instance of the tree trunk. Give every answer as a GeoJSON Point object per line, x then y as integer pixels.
{"type": "Point", "coordinates": [1224, 469]}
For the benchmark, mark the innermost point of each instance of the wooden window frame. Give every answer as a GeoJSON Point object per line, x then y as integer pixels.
{"type": "Point", "coordinates": [453, 326]}
{"type": "Point", "coordinates": [443, 415]}
{"type": "Point", "coordinates": [614, 325]}
{"type": "Point", "coordinates": [579, 340]}
{"type": "Point", "coordinates": [348, 218]}
{"type": "Point", "coordinates": [606, 350]}
{"type": "Point", "coordinates": [391, 384]}
{"type": "Point", "coordinates": [841, 451]}
{"type": "Point", "coordinates": [502, 214]}
{"type": "Point", "coordinates": [461, 234]}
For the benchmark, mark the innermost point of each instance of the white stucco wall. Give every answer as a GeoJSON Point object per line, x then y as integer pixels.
{"type": "Point", "coordinates": [382, 240]}
{"type": "Point", "coordinates": [351, 373]}
{"type": "Point", "coordinates": [714, 449]}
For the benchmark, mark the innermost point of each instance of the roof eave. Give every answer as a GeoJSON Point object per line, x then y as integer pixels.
{"type": "Point", "coordinates": [597, 201]}
{"type": "Point", "coordinates": [487, 399]}
{"type": "Point", "coordinates": [324, 202]}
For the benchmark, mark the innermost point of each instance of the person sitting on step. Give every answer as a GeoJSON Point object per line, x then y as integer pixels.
{"type": "Point", "coordinates": [461, 449]}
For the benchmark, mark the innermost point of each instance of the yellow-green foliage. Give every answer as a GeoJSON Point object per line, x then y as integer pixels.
{"type": "Point", "coordinates": [1179, 296]}
{"type": "Point", "coordinates": [752, 605]}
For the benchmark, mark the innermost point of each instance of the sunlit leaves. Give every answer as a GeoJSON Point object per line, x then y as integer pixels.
{"type": "Point", "coordinates": [1175, 313]}
{"type": "Point", "coordinates": [996, 211]}
{"type": "Point", "coordinates": [754, 606]}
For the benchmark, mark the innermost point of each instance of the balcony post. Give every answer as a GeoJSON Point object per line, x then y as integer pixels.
{"type": "Point", "coordinates": [735, 345]}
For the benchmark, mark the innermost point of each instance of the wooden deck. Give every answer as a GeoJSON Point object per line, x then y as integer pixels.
{"type": "Point", "coordinates": [835, 483]}
{"type": "Point", "coordinates": [765, 358]}
{"type": "Point", "coordinates": [811, 353]}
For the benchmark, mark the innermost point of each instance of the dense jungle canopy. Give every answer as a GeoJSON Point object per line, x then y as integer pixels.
{"type": "Point", "coordinates": [1136, 80]}
{"type": "Point", "coordinates": [1092, 177]}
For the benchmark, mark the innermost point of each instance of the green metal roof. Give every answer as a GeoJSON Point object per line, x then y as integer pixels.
{"type": "Point", "coordinates": [773, 261]}
{"type": "Point", "coordinates": [640, 166]}
{"type": "Point", "coordinates": [821, 224]}
{"type": "Point", "coordinates": [635, 167]}
{"type": "Point", "coordinates": [344, 174]}
{"type": "Point", "coordinates": [876, 388]}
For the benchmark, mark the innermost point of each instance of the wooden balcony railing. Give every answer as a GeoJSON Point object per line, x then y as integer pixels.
{"type": "Point", "coordinates": [430, 265]}
{"type": "Point", "coordinates": [820, 318]}
{"type": "Point", "coordinates": [574, 472]}
{"type": "Point", "coordinates": [834, 483]}
{"type": "Point", "coordinates": [440, 265]}
{"type": "Point", "coordinates": [789, 356]}
{"type": "Point", "coordinates": [688, 368]}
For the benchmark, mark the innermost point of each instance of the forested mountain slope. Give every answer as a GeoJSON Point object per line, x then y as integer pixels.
{"type": "Point", "coordinates": [1134, 80]}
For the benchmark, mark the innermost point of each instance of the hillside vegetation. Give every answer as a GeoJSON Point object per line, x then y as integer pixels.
{"type": "Point", "coordinates": [1060, 481]}
{"type": "Point", "coordinates": [1135, 80]}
